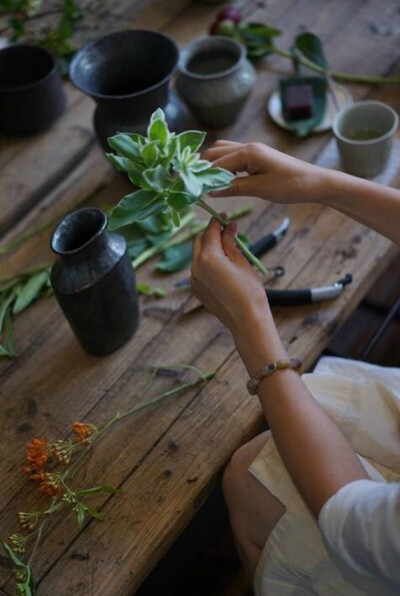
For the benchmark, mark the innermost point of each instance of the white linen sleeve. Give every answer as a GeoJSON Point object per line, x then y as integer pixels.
{"type": "Point", "coordinates": [361, 526]}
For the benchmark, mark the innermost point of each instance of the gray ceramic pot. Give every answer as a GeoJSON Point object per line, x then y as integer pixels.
{"type": "Point", "coordinates": [215, 79]}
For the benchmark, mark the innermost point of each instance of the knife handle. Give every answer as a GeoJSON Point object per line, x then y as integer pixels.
{"type": "Point", "coordinates": [263, 245]}
{"type": "Point", "coordinates": [289, 297]}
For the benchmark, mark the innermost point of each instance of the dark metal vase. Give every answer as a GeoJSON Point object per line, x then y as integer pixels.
{"type": "Point", "coordinates": [94, 281]}
{"type": "Point", "coordinates": [127, 74]}
{"type": "Point", "coordinates": [31, 91]}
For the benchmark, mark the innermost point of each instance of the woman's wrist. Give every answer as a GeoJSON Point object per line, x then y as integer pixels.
{"type": "Point", "coordinates": [257, 341]}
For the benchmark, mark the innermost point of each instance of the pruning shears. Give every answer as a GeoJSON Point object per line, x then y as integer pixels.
{"type": "Point", "coordinates": [295, 297]}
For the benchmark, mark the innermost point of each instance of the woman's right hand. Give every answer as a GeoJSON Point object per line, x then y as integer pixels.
{"type": "Point", "coordinates": [271, 175]}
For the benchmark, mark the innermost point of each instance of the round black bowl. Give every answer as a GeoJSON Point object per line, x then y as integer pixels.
{"type": "Point", "coordinates": [127, 73]}
{"type": "Point", "coordinates": [31, 91]}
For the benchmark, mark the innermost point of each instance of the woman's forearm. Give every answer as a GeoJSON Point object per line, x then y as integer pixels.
{"type": "Point", "coordinates": [372, 204]}
{"type": "Point", "coordinates": [316, 454]}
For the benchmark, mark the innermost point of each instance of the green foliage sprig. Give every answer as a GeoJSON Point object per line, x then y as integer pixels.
{"type": "Point", "coordinates": [306, 49]}
{"type": "Point", "coordinates": [170, 174]}
{"type": "Point", "coordinates": [49, 24]}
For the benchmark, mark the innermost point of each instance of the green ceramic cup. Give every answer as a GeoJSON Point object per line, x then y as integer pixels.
{"type": "Point", "coordinates": [364, 134]}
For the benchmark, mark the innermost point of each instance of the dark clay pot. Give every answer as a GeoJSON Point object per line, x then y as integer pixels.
{"type": "Point", "coordinates": [31, 92]}
{"type": "Point", "coordinates": [127, 74]}
{"type": "Point", "coordinates": [94, 281]}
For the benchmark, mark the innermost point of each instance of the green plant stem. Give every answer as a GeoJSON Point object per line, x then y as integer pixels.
{"type": "Point", "coordinates": [151, 252]}
{"type": "Point", "coordinates": [338, 76]}
{"type": "Point", "coordinates": [197, 228]}
{"type": "Point", "coordinates": [247, 253]}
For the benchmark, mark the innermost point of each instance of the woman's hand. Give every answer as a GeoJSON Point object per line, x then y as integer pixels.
{"type": "Point", "coordinates": [224, 281]}
{"type": "Point", "coordinates": [271, 174]}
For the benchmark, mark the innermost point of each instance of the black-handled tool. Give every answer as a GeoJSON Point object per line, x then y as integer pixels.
{"type": "Point", "coordinates": [309, 295]}
{"type": "Point", "coordinates": [265, 244]}
{"type": "Point", "coordinates": [258, 249]}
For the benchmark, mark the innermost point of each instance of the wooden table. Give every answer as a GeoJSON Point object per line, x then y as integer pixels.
{"type": "Point", "coordinates": [166, 460]}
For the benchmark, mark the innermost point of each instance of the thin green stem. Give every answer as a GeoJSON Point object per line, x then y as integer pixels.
{"type": "Point", "coordinates": [247, 253]}
{"type": "Point", "coordinates": [151, 252]}
{"type": "Point", "coordinates": [338, 76]}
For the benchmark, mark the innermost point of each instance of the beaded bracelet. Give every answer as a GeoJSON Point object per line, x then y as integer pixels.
{"type": "Point", "coordinates": [267, 371]}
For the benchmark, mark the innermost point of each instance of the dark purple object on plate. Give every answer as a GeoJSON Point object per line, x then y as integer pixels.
{"type": "Point", "coordinates": [298, 102]}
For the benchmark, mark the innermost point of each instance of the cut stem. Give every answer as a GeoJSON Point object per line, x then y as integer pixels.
{"type": "Point", "coordinates": [245, 250]}
{"type": "Point", "coordinates": [338, 76]}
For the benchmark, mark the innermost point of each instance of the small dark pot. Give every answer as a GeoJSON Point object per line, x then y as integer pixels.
{"type": "Point", "coordinates": [94, 281]}
{"type": "Point", "coordinates": [31, 91]}
{"type": "Point", "coordinates": [127, 74]}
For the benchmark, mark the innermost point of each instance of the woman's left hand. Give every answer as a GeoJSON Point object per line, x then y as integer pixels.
{"type": "Point", "coordinates": [224, 281]}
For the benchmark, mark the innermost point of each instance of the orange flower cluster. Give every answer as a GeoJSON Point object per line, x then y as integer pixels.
{"type": "Point", "coordinates": [37, 456]}
{"type": "Point", "coordinates": [83, 431]}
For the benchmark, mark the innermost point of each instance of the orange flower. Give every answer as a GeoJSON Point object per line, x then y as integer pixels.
{"type": "Point", "coordinates": [83, 431]}
{"type": "Point", "coordinates": [50, 484]}
{"type": "Point", "coordinates": [37, 455]}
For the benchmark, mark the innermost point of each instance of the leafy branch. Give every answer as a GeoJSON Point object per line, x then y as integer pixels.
{"type": "Point", "coordinates": [170, 175]}
{"type": "Point", "coordinates": [54, 466]}
{"type": "Point", "coordinates": [306, 50]}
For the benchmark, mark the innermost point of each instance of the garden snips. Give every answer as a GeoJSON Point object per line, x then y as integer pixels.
{"type": "Point", "coordinates": [296, 297]}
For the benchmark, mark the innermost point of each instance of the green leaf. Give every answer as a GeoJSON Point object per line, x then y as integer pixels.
{"type": "Point", "coordinates": [215, 178]}
{"type": "Point", "coordinates": [193, 183]}
{"type": "Point", "coordinates": [150, 290]}
{"type": "Point", "coordinates": [180, 200]}
{"type": "Point", "coordinates": [80, 513]}
{"type": "Point", "coordinates": [30, 291]}
{"type": "Point", "coordinates": [98, 489]}
{"type": "Point", "coordinates": [302, 128]}
{"type": "Point", "coordinates": [124, 145]}
{"type": "Point", "coordinates": [157, 115]}
{"type": "Point", "coordinates": [150, 153]}
{"type": "Point", "coordinates": [5, 303]}
{"type": "Point", "coordinates": [12, 556]}
{"type": "Point", "coordinates": [158, 131]}
{"type": "Point", "coordinates": [135, 206]}
{"type": "Point", "coordinates": [176, 258]}
{"type": "Point", "coordinates": [93, 512]}
{"type": "Point", "coordinates": [136, 248]}
{"type": "Point", "coordinates": [192, 139]}
{"type": "Point", "coordinates": [157, 178]}
{"type": "Point", "coordinates": [258, 32]}
{"type": "Point", "coordinates": [175, 218]}
{"type": "Point", "coordinates": [139, 139]}
{"type": "Point", "coordinates": [200, 165]}
{"type": "Point", "coordinates": [311, 47]}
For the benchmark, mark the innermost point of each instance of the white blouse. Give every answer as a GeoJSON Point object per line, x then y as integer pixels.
{"type": "Point", "coordinates": [361, 528]}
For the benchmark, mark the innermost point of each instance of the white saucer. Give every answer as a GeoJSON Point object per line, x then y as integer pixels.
{"type": "Point", "coordinates": [343, 97]}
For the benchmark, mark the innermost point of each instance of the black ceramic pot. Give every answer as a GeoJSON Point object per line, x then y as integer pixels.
{"type": "Point", "coordinates": [94, 281]}
{"type": "Point", "coordinates": [31, 91]}
{"type": "Point", "coordinates": [127, 74]}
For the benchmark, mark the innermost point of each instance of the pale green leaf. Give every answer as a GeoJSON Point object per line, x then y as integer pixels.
{"type": "Point", "coordinates": [157, 115]}
{"type": "Point", "coordinates": [192, 139]}
{"type": "Point", "coordinates": [97, 489]}
{"type": "Point", "coordinates": [124, 145]}
{"type": "Point", "coordinates": [176, 258]}
{"type": "Point", "coordinates": [5, 303]}
{"type": "Point", "coordinates": [175, 218]}
{"type": "Point", "coordinates": [157, 178]}
{"type": "Point", "coordinates": [158, 131]}
{"type": "Point", "coordinates": [215, 178]}
{"type": "Point", "coordinates": [30, 291]}
{"type": "Point", "coordinates": [150, 153]}
{"type": "Point", "coordinates": [93, 512]}
{"type": "Point", "coordinates": [135, 206]}
{"type": "Point", "coordinates": [193, 183]}
{"type": "Point", "coordinates": [150, 290]}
